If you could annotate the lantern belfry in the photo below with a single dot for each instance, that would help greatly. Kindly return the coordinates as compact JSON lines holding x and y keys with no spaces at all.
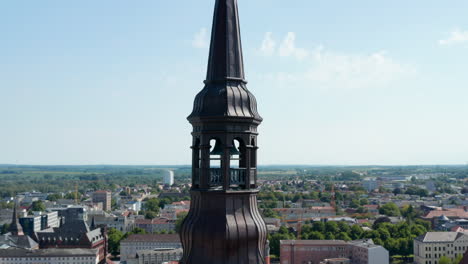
{"x":224,"y":225}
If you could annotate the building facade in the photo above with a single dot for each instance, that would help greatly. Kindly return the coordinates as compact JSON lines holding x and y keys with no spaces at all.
{"x":317,"y":251}
{"x":104,"y":197}
{"x":169,"y":178}
{"x":156,"y":224}
{"x":49,"y":256}
{"x":39,"y":221}
{"x":157,"y":256}
{"x":75,"y":235}
{"x":134,"y":243}
{"x":430,"y":247}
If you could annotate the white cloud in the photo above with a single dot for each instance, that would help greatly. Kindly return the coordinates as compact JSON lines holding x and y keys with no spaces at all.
{"x":268,"y":45}
{"x":457,"y":36}
{"x":324,"y":68}
{"x":330,"y":69}
{"x":288,"y":48}
{"x":200,"y":40}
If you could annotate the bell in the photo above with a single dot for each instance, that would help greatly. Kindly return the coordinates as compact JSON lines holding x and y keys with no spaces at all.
{"x":218,"y":149}
{"x":234,"y":150}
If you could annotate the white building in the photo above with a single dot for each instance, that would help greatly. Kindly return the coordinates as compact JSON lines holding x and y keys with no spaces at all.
{"x":365,"y":251}
{"x":370,"y":184}
{"x":169,"y":178}
{"x":429,"y":247}
{"x":134,"y":243}
{"x":49,"y":256}
{"x":157,"y":256}
{"x":121,"y":222}
{"x":39,"y":221}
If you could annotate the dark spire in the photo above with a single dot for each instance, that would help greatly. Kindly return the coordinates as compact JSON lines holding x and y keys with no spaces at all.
{"x":15,"y":227}
{"x":225,"y":93}
{"x":93,"y":224}
{"x":225,"y":61}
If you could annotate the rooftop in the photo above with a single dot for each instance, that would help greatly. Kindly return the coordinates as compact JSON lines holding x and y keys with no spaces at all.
{"x":174,"y":238}
{"x":51,"y":252}
{"x":314,"y":242}
{"x":440,"y":236}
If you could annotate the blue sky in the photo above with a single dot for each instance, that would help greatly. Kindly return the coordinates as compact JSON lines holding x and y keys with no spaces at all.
{"x":337,"y":82}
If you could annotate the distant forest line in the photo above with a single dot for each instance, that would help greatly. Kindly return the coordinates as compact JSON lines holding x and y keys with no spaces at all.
{"x":54,"y":179}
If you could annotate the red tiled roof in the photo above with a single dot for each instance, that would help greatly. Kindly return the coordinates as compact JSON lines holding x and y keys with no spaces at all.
{"x":454,"y":213}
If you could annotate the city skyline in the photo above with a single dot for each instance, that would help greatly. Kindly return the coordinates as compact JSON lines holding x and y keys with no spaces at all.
{"x":95,"y":83}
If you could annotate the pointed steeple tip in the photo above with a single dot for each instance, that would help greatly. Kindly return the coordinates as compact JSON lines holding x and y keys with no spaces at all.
{"x":225,"y":62}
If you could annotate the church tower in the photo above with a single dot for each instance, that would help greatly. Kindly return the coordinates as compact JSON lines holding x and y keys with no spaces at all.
{"x":15,"y":227}
{"x":224,"y":225}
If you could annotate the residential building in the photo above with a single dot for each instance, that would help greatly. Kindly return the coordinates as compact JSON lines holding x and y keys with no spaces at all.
{"x":156,"y":224}
{"x":122,"y":223}
{"x":294,"y":214}
{"x":336,"y":261}
{"x":366,"y":252}
{"x":103,"y":197}
{"x":169,"y":178}
{"x":39,"y":221}
{"x":74,"y":234}
{"x":49,"y":256}
{"x":428,"y":248}
{"x":171,"y":213}
{"x":9,"y":240}
{"x":316,"y":251}
{"x":157,"y":256}
{"x":72,"y":213}
{"x":370,"y":184}
{"x":134,"y":243}
{"x":15,"y":238}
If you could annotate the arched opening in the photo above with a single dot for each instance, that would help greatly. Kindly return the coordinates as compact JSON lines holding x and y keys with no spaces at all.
{"x":216,"y":151}
{"x":235,"y":154}
{"x":215,"y":178}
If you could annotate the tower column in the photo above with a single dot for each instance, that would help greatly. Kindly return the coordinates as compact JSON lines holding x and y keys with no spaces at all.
{"x":224,"y":225}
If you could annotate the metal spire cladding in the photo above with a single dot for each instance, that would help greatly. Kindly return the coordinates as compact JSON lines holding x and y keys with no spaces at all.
{"x":225,"y":93}
{"x":224,"y":224}
{"x":225,"y":61}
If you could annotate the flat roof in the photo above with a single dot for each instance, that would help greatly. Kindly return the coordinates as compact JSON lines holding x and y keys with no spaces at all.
{"x":313,"y":242}
{"x":50,"y":252}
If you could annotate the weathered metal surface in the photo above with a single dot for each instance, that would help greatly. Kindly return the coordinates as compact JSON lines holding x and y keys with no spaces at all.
{"x":224,"y":225}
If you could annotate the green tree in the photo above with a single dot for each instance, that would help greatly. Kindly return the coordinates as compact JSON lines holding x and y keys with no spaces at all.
{"x":54,"y":197}
{"x":138,"y":230}
{"x":445,"y":260}
{"x":313,"y":235}
{"x":354,"y":203}
{"x":458,"y":259}
{"x":4,"y":229}
{"x":180,"y":219}
{"x":38,"y":206}
{"x":332,"y":227}
{"x":114,"y":238}
{"x":390,"y":209}
{"x":150,"y":215}
{"x":268,"y":212}
{"x":152,"y":205}
{"x":318,"y":226}
{"x":344,"y":227}
{"x":343,"y":236}
{"x":364,"y":201}
{"x":356,"y":232}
